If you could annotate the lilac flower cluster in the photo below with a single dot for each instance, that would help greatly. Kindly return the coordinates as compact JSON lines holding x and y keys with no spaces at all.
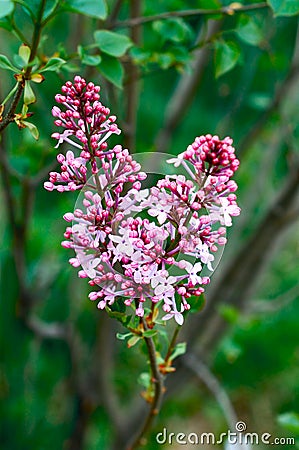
{"x":144,"y":247}
{"x":87,"y":126}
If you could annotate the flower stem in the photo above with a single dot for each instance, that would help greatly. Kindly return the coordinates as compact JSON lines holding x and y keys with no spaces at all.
{"x":158,"y":381}
{"x":10,"y":116}
{"x":172,"y":344}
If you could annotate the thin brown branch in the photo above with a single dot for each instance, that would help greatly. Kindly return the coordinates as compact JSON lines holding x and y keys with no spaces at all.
{"x":226,"y":10}
{"x":9,"y":116}
{"x":172,"y":343}
{"x":158,"y":382}
{"x":110,"y":23}
{"x":77,"y":439}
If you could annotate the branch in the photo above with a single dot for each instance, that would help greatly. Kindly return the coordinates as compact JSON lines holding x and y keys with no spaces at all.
{"x":158,"y":381}
{"x":9,"y":116}
{"x":186,"y":88}
{"x":203,"y":372}
{"x":226,"y":10}
{"x":76,"y":441}
{"x":110,"y":23}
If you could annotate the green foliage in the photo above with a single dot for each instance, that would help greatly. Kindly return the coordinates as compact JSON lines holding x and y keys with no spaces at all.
{"x":113,"y":44}
{"x":88,"y":60}
{"x":249,"y":30}
{"x":180,"y":349}
{"x":227,"y":55}
{"x":112,"y":69}
{"x":6,"y":7}
{"x":52,"y":65}
{"x":96,"y":9}
{"x":284,"y":7}
{"x":257,"y":360}
{"x":6,"y":64}
{"x":173,"y":30}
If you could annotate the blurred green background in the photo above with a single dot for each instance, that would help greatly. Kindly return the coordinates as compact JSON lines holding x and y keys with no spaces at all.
{"x":64,"y":377}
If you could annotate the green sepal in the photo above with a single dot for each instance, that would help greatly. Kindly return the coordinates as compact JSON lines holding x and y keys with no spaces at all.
{"x":29,"y":96}
{"x":32,"y":129}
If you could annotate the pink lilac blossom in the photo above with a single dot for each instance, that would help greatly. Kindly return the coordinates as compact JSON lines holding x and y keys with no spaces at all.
{"x":142,"y":247}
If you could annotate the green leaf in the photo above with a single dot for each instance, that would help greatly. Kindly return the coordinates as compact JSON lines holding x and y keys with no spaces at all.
{"x":5,"y":24}
{"x":91,"y":8}
{"x":284,"y":7}
{"x":249,"y":31}
{"x":140,"y":56}
{"x":289,"y":421}
{"x":114,"y":44}
{"x":165,"y":60}
{"x":149,"y":333}
{"x":112,"y":69}
{"x":24,"y":53}
{"x":196,"y":303}
{"x":89,"y":60}
{"x":133,"y":341}
{"x":6,"y":64}
{"x":32,"y":129}
{"x":227,"y":55}
{"x":175,"y":30}
{"x":145,"y":380}
{"x":179,"y":349}
{"x":53,"y":65}
{"x":6,"y":7}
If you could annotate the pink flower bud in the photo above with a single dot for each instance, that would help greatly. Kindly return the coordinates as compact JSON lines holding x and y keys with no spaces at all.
{"x":68,"y":217}
{"x":49,"y":186}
